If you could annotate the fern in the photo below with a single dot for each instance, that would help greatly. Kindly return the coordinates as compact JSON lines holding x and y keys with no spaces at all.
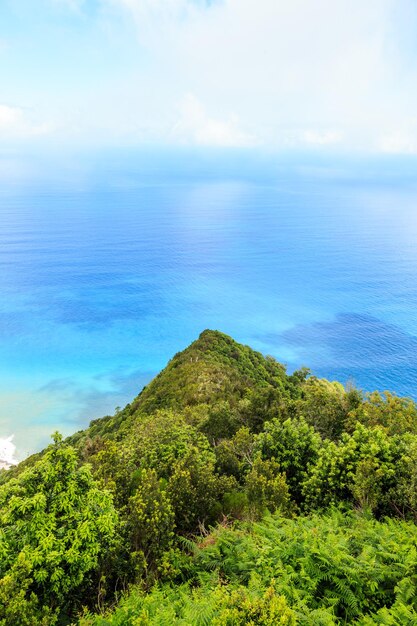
{"x":336,"y":569}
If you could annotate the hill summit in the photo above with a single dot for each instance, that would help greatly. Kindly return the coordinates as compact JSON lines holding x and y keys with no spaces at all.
{"x":215,"y":369}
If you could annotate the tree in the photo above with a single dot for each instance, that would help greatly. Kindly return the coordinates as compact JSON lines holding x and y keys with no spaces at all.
{"x":54,"y":526}
{"x":150,"y":520}
{"x":266,"y":488}
{"x":394,"y":414}
{"x":326,"y":405}
{"x":362,"y":466}
{"x":194,"y":489}
{"x":294,"y":445}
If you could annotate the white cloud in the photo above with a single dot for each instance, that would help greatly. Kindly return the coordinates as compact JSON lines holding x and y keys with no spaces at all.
{"x":399,"y":142}
{"x":9,"y":117}
{"x":286,"y":72}
{"x":339,"y":66}
{"x":309,"y":138}
{"x":197,"y":127}
{"x":14,"y":123}
{"x":322,"y":138}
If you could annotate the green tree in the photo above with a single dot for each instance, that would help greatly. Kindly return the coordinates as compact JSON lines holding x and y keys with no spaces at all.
{"x":326,"y":405}
{"x":235,"y":456}
{"x":194,"y":489}
{"x":362,"y":466}
{"x":158,"y":441}
{"x":150,"y":521}
{"x":55,"y":524}
{"x":222,"y":421}
{"x":262,"y":404}
{"x":266,"y":488}
{"x":294,"y":445}
{"x":394,"y":414}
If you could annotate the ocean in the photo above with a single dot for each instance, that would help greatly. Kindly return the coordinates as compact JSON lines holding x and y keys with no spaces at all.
{"x":112,"y":261}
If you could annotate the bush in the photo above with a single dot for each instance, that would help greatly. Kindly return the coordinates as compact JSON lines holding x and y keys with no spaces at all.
{"x":294,"y":445}
{"x":150,"y":521}
{"x":362,"y":467}
{"x":55,"y":524}
{"x":266,"y":488}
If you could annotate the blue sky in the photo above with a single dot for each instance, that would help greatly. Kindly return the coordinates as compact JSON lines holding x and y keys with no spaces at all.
{"x":281,"y":74}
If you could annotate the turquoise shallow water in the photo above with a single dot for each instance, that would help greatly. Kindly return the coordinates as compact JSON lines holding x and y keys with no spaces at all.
{"x":109,"y":264}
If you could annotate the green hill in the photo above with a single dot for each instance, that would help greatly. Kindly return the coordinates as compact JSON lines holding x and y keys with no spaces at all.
{"x":228,"y":492}
{"x":214,"y":368}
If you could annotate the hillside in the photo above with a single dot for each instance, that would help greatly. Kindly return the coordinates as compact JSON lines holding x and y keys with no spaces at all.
{"x":213,"y":369}
{"x":227,"y":492}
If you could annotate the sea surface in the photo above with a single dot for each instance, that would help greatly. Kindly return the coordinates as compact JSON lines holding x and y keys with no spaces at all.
{"x":111,"y":262}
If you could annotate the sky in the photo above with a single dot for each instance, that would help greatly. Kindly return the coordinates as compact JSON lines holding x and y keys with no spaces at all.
{"x":281,"y":74}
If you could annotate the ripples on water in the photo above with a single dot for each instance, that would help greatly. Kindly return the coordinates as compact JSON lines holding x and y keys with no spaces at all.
{"x":108,"y":266}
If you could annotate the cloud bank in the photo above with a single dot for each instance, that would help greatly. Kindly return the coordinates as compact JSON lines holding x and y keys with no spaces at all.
{"x":14,"y":123}
{"x":316,"y":75}
{"x":195,"y":126}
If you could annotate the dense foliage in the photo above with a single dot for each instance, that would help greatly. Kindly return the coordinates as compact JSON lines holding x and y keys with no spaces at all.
{"x":55,"y":525}
{"x":206,"y":501}
{"x":338,"y":568}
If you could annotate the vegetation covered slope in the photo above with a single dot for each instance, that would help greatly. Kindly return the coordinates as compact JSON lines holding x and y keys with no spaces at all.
{"x":227,"y":492}
{"x":214,"y":368}
{"x":329,"y":569}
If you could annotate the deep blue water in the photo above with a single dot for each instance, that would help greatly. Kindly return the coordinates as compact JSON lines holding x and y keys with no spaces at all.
{"x":111,"y":264}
